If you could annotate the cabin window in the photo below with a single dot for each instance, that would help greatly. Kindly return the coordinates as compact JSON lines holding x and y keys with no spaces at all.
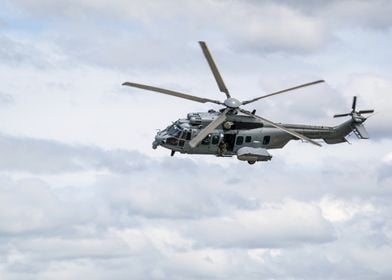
{"x":266,"y":140}
{"x":248,"y":139}
{"x":181,"y":143}
{"x":215,"y":140}
{"x":206,"y":140}
{"x":240,"y":140}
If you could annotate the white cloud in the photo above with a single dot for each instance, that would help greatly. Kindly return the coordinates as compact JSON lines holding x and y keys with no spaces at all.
{"x":83,"y":193}
{"x":273,"y":225}
{"x":388,"y":158}
{"x":340,"y":210}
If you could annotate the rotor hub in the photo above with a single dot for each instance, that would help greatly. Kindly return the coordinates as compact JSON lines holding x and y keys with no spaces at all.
{"x":232,"y":103}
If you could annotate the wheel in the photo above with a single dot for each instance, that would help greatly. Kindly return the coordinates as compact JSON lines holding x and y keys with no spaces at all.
{"x":251,"y":161}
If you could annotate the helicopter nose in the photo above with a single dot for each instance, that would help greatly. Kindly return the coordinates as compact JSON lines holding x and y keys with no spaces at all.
{"x":159,"y":139}
{"x":154,"y":145}
{"x":156,"y":142}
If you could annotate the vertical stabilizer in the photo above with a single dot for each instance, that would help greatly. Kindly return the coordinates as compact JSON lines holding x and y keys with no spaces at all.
{"x":356,"y":123}
{"x":360,"y":131}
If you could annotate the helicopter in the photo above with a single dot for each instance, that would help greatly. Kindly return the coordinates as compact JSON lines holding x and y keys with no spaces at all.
{"x":234,"y":131}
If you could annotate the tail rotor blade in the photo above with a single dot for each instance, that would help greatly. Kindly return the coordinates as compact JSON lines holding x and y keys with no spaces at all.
{"x":366,"y":111}
{"x":353,"y":112}
{"x":341,"y":115}
{"x":214,"y":69}
{"x":354,"y":103}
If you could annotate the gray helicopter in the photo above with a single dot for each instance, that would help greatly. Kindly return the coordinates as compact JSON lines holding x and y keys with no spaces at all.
{"x":234,"y":131}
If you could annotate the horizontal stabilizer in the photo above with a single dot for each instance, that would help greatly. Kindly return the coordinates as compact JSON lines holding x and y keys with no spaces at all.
{"x":360,"y":131}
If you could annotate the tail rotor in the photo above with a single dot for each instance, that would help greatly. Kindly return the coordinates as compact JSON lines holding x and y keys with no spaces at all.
{"x":354,"y":113}
{"x":357,"y":120}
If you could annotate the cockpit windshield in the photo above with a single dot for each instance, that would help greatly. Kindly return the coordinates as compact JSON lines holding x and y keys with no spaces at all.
{"x":174,"y":130}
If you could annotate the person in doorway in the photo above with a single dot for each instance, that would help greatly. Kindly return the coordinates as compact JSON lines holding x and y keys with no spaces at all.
{"x":222,"y":148}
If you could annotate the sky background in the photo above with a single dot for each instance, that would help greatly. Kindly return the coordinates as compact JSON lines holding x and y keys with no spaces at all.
{"x":83,"y":193}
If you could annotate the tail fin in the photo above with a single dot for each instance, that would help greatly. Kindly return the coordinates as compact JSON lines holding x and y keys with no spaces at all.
{"x":356,"y":123}
{"x":360,"y":131}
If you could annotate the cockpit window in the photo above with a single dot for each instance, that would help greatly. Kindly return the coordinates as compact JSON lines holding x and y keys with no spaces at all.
{"x":172,"y":141}
{"x":174,"y":130}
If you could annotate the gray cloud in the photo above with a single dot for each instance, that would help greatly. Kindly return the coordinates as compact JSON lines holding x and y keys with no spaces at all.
{"x":253,"y":27}
{"x":30,"y":206}
{"x":127,"y":28}
{"x":45,"y":156}
{"x":346,"y":13}
{"x":363,"y":14}
{"x":18,"y":51}
{"x":146,"y":247}
{"x":188,"y":222}
{"x":278,"y":225}
{"x":6,"y":99}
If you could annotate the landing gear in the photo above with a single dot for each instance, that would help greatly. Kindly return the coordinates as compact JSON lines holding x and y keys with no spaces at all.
{"x":251,"y":161}
{"x":172,"y":153}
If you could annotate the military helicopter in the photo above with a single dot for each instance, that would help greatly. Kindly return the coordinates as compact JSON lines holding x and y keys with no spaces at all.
{"x":234,"y":131}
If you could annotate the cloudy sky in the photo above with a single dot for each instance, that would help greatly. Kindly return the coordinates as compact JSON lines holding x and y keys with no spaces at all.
{"x":82,"y":192}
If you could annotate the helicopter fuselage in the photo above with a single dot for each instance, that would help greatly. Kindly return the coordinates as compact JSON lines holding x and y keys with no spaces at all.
{"x":240,"y":135}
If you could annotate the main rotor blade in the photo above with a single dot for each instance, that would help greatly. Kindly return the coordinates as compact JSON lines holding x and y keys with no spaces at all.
{"x":214,"y":69}
{"x":289,"y":131}
{"x":208,"y":129}
{"x":282,"y":91}
{"x":173,"y":93}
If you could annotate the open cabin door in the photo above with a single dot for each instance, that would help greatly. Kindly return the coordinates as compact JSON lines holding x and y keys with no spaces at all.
{"x":229,"y":140}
